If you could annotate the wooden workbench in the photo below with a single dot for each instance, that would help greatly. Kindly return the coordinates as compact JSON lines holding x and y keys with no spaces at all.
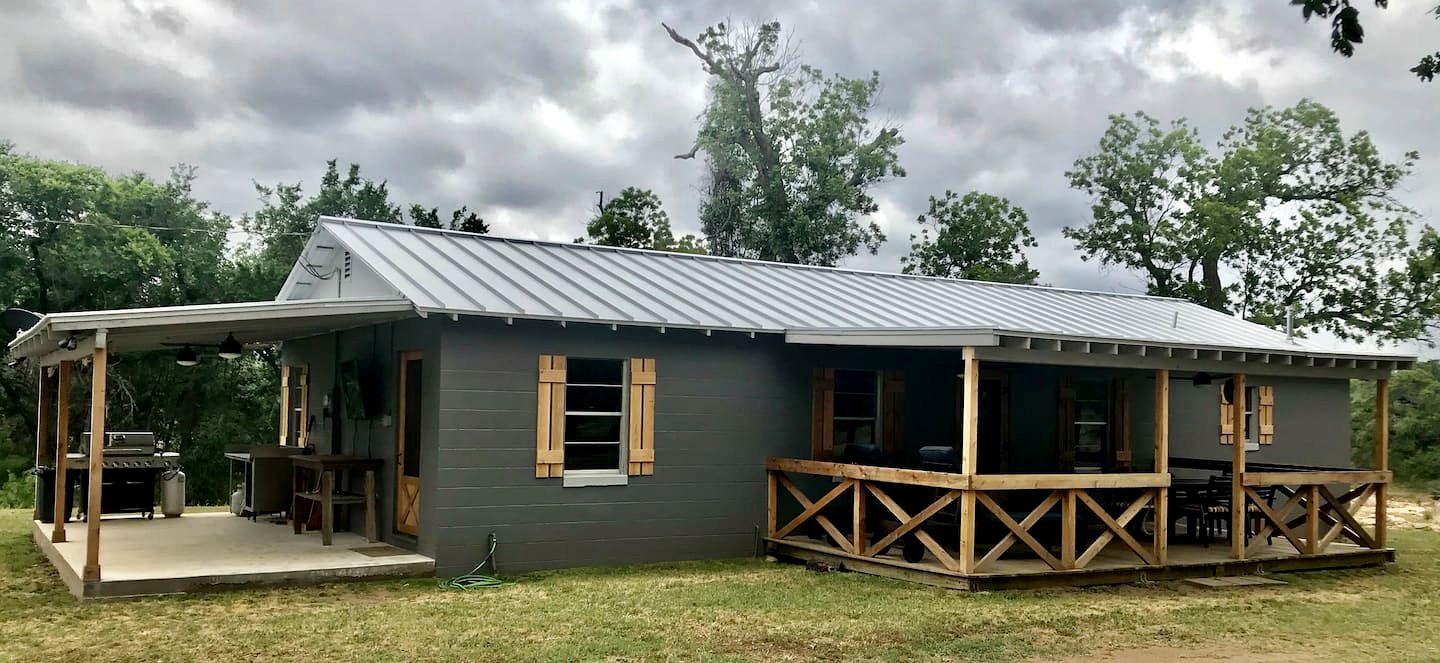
{"x":314,"y":479}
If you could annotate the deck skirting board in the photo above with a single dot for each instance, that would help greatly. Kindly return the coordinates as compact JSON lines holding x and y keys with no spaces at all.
{"x":937,"y":576}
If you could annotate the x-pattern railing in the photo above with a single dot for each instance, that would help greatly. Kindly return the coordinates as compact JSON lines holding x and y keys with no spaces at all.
{"x":1070,"y":493}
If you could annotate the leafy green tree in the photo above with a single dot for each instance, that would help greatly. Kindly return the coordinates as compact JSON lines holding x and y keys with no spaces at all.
{"x":1414,"y":424}
{"x":791,"y":152}
{"x":461,"y":219}
{"x":634,"y":219}
{"x":1288,"y":214}
{"x":1346,"y":31}
{"x":286,"y":218}
{"x":73,"y":237}
{"x":979,"y":236}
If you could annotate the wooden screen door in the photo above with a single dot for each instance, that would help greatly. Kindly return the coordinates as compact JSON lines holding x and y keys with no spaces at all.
{"x":407,"y":444}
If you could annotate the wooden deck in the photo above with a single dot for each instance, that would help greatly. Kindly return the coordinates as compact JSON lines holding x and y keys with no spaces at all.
{"x":1114,"y":565}
{"x":1058,"y":529}
{"x":203,"y":551}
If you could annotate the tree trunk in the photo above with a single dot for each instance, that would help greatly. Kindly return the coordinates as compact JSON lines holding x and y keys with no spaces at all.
{"x":1214,"y":290}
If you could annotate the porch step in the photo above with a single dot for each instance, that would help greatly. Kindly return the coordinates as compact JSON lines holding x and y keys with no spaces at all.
{"x":1233,"y":581}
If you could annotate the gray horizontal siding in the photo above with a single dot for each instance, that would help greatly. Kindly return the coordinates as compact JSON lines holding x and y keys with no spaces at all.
{"x":723,"y":403}
{"x":1312,"y":421}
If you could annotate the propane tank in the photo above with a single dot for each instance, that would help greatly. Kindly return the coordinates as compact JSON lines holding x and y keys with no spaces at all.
{"x":172,"y":493}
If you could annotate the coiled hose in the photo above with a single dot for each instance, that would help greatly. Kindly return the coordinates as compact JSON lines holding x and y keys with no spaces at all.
{"x":475,"y":579}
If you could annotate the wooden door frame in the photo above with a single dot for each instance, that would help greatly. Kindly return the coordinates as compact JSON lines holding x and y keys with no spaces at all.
{"x":405,"y":505}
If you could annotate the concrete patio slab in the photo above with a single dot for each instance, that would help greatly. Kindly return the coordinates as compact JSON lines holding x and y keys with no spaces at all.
{"x":209,"y":550}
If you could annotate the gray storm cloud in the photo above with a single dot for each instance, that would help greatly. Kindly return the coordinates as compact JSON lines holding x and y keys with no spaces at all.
{"x":523,"y":111}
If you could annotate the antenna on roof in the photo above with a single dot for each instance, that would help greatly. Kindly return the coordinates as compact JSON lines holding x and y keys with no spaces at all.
{"x":1176,"y":322}
{"x":1290,"y":324}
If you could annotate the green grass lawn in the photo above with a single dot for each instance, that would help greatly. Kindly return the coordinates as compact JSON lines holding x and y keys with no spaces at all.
{"x":732,"y":610}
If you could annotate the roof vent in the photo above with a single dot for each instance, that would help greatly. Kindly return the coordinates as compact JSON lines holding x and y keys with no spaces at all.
{"x":345,"y":272}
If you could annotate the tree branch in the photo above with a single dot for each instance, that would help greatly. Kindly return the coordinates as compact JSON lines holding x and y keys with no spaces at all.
{"x":858,"y":177}
{"x":710,"y":65}
{"x":691,"y":154}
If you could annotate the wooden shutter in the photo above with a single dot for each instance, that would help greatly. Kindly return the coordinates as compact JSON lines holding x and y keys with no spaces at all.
{"x":1120,"y":426}
{"x":550,"y":418}
{"x":1066,"y":433}
{"x":822,"y":414}
{"x":1227,"y":419}
{"x":892,"y":410}
{"x":284,"y":405}
{"x":1266,"y":395}
{"x":642,"y":416}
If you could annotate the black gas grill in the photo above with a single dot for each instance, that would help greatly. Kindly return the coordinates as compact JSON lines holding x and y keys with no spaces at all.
{"x":131,"y":469}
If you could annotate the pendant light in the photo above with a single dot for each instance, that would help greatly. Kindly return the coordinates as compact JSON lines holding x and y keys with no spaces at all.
{"x":187,"y":357}
{"x":230,"y":348}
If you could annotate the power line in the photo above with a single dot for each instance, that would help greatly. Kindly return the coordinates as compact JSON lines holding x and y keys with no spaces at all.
{"x":227,"y":231}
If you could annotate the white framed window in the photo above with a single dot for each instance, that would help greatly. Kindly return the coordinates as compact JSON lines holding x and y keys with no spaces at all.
{"x":596,"y":421}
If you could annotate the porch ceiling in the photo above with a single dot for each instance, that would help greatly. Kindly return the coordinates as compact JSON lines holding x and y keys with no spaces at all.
{"x":132,"y":330}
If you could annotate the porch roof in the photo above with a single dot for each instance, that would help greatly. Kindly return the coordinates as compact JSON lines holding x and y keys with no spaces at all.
{"x":130,"y":330}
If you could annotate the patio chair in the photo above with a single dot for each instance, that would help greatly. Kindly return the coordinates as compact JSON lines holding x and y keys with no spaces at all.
{"x":1211,"y":507}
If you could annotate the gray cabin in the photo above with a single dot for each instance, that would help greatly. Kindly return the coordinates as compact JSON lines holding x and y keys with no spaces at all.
{"x":588,"y":405}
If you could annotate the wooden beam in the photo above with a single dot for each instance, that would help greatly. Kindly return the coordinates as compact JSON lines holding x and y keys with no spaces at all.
{"x":811,"y":509}
{"x":1276,"y":519}
{"x":1162,"y":463}
{"x":967,"y":532}
{"x":44,"y":400}
{"x":772,"y":497}
{"x":824,"y":522}
{"x":1019,"y":531}
{"x":1382,"y":456}
{"x":970,"y":434}
{"x":1115,"y":528}
{"x":1067,"y":530}
{"x":1068,"y":481}
{"x":1239,"y":513}
{"x":1312,"y":520}
{"x":910,"y":523}
{"x":858,"y":525}
{"x":869,"y":473}
{"x":1339,"y":477}
{"x":96,"y":451}
{"x":62,"y":449}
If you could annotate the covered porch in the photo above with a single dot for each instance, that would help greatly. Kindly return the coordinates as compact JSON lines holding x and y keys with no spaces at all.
{"x":139,"y":555}
{"x":1102,"y":509}
{"x":201,"y":551}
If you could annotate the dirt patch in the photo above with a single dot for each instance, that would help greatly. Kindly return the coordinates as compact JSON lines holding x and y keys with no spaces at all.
{"x":1407,"y":511}
{"x":1203,"y":653}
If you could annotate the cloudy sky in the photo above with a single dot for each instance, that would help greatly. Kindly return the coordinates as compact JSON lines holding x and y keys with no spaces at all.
{"x":524,"y":112}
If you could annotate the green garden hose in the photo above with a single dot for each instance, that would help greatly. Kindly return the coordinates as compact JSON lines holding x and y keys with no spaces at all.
{"x":475,"y":579}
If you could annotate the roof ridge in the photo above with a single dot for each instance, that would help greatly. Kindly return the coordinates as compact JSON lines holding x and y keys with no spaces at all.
{"x":705,"y":257}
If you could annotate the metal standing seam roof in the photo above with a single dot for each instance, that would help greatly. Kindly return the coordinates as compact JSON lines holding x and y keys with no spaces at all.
{"x":464,"y":273}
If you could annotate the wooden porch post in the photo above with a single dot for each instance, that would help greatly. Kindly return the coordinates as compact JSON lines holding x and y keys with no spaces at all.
{"x":62,"y":450}
{"x":1238,"y":510}
{"x":970,"y":437}
{"x":44,"y":404}
{"x":96,"y":450}
{"x":1382,"y":455}
{"x":1162,"y":463}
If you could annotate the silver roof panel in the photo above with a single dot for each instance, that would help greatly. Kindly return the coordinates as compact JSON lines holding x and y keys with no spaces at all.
{"x":464,"y":273}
